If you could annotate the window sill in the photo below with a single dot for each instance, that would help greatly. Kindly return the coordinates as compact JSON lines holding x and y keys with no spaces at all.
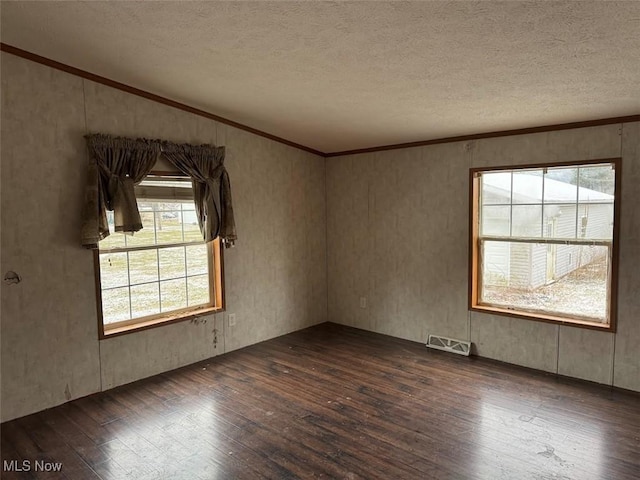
{"x":154,"y":322}
{"x":541,"y":317}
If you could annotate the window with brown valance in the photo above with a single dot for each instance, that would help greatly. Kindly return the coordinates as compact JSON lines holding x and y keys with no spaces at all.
{"x":117,"y":164}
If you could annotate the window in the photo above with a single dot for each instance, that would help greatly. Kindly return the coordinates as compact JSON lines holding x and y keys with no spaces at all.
{"x":163,"y":273}
{"x":543,"y":242}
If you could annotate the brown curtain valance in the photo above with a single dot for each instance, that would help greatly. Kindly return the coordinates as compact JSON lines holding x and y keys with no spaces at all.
{"x":117,"y":164}
{"x":211,"y":187}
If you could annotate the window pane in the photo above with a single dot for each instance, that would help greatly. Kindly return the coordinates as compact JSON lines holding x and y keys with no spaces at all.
{"x":169,"y":226}
{"x":146,"y":236}
{"x":527,"y":186}
{"x":496,"y":220}
{"x":173,"y":294}
{"x":496,"y":188}
{"x":145,"y":300}
{"x":143,"y":266}
{"x":569,"y":280}
{"x":168,"y":206}
{"x":527,"y":221}
{"x":113,"y":270}
{"x":115,"y":240}
{"x":560,"y":221}
{"x":198,"y":290}
{"x":595,"y":221}
{"x":597,"y":183}
{"x":190,"y":226}
{"x":560,"y":185}
{"x":171,"y":262}
{"x":197,"y":259}
{"x":115,"y":305}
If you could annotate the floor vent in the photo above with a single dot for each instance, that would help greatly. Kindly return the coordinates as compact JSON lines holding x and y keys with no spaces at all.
{"x":449,"y":345}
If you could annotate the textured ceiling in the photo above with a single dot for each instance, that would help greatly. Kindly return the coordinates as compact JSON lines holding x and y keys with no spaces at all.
{"x":338,"y":76}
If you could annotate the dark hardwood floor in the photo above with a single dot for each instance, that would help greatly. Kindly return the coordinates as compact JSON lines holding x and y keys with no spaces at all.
{"x":335,"y":402}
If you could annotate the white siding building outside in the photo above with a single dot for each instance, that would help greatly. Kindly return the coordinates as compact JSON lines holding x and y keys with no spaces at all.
{"x":550,"y":209}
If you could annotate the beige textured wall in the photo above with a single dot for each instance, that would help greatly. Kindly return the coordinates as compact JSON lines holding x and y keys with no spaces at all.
{"x":397,"y":234}
{"x":275,"y":276}
{"x":397,"y":231}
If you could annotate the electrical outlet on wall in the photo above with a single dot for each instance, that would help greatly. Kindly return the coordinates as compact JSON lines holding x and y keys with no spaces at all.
{"x":363,"y":302}
{"x":232,"y":319}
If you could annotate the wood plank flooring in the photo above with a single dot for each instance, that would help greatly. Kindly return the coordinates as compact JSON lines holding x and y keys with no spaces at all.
{"x":336,"y":402}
